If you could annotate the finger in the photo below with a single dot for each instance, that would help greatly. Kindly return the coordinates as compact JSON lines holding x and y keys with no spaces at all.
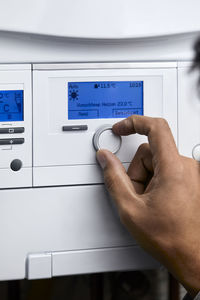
{"x":140,"y":170}
{"x":116,"y":180}
{"x":157,"y":130}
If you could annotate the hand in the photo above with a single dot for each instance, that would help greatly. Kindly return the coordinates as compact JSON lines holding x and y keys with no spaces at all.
{"x":158,"y":198}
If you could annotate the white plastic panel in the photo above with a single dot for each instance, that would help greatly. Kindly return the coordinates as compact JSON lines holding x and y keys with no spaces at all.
{"x":17,"y":77}
{"x":103,"y":260}
{"x":54,"y":148}
{"x":47,"y":265}
{"x":100,"y":19}
{"x":188,"y":110}
{"x":41,"y":220}
{"x":11,"y":179}
{"x":16,"y":48}
{"x":39,"y":266}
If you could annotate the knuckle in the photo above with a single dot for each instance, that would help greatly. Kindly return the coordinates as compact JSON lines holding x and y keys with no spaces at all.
{"x":181,"y":171}
{"x":143,"y":147}
{"x":158,"y":123}
{"x":162,"y":122}
{"x":130,"y":121}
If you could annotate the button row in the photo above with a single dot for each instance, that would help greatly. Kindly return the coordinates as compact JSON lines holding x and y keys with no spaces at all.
{"x":12,"y":141}
{"x":12,"y":130}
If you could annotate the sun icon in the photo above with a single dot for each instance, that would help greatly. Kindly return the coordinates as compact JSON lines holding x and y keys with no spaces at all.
{"x":73,"y":95}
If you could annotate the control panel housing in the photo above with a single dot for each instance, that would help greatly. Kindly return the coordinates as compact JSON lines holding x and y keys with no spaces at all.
{"x":67,"y":157}
{"x":15,"y":126}
{"x":56,"y":217}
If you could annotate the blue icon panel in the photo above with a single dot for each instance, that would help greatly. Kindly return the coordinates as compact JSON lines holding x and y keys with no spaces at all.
{"x":11,"y":105}
{"x":104,"y":99}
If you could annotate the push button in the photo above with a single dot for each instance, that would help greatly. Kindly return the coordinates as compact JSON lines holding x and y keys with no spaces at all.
{"x":11,"y":130}
{"x":75,"y":127}
{"x":104,"y":138}
{"x":11,"y":141}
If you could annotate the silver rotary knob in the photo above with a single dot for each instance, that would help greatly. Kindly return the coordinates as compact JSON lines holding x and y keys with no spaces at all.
{"x":196,"y":152}
{"x":104,"y":138}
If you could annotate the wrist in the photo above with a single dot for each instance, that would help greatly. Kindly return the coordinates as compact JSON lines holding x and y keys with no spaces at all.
{"x":185,"y":267}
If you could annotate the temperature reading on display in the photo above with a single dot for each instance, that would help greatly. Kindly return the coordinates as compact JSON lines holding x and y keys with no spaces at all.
{"x":11,"y":105}
{"x":104,"y":99}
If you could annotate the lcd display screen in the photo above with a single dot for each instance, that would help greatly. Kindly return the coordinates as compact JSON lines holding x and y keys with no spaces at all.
{"x":104,"y":99}
{"x":11,"y":105}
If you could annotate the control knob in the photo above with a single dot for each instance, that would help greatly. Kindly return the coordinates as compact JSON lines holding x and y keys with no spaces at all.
{"x":196,"y":152}
{"x":105,"y":138}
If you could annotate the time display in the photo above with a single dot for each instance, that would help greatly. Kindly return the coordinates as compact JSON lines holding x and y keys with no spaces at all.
{"x":104,"y":99}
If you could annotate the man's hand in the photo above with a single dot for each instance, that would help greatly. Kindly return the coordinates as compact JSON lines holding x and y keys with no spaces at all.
{"x":158,"y":198}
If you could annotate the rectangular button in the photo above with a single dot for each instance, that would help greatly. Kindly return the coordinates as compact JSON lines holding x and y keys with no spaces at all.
{"x":126,"y":112}
{"x":83,"y":114}
{"x":12,"y":130}
{"x":75,"y":128}
{"x":11,"y":141}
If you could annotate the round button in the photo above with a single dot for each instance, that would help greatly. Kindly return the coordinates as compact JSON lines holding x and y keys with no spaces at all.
{"x":16,"y":165}
{"x":104,"y":138}
{"x":196,"y":152}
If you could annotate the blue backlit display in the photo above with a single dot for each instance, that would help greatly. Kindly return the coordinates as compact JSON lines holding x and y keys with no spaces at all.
{"x":104,"y":99}
{"x":11,"y":105}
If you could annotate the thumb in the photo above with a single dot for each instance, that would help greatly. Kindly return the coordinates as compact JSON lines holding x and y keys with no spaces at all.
{"x":116,"y":179}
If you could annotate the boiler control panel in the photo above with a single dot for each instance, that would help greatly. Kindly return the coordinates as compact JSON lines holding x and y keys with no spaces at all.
{"x":54,"y":117}
{"x":75,"y":106}
{"x":15,"y":126}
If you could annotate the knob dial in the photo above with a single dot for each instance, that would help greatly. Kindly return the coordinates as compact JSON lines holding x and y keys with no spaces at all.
{"x":16,"y":165}
{"x":104,"y":138}
{"x":196,"y":152}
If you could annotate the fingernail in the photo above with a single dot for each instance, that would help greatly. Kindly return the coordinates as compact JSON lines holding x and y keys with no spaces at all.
{"x":101,"y":159}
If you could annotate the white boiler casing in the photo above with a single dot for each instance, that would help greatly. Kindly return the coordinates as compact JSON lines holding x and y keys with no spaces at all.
{"x":58,"y":86}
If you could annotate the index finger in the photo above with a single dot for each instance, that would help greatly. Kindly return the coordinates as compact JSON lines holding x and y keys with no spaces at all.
{"x":157,"y":130}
